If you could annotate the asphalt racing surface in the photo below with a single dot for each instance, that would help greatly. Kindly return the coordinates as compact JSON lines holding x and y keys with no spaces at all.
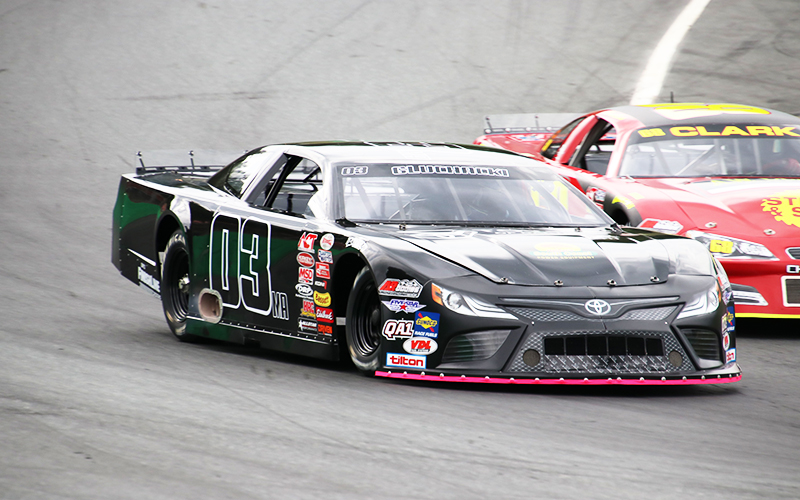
{"x":98,"y":401}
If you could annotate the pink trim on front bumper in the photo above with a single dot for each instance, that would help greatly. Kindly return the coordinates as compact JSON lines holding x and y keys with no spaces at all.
{"x":562,"y":381}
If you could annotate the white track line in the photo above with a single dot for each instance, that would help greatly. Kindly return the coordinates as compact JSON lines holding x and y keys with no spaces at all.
{"x":651,"y":81}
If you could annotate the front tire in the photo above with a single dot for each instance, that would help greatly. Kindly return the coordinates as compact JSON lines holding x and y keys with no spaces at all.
{"x":363,"y":327}
{"x":175,"y":273}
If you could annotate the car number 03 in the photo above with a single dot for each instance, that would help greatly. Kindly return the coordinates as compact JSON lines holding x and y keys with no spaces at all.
{"x":239,"y":262}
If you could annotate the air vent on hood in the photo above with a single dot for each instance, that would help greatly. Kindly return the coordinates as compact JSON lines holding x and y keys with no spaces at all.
{"x":794,"y":252}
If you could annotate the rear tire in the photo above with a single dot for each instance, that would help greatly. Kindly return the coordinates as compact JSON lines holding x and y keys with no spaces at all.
{"x":363,"y":327}
{"x":175,"y":273}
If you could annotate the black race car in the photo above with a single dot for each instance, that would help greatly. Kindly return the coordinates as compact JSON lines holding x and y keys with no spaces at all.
{"x":423,"y":261}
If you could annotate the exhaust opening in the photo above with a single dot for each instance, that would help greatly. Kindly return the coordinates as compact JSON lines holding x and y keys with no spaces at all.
{"x":210,"y":305}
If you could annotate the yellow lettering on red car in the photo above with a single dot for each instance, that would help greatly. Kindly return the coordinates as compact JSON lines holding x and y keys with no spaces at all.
{"x":784,"y":206}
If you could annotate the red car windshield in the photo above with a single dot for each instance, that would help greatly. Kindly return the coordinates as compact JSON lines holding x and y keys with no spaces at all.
{"x":713,"y":151}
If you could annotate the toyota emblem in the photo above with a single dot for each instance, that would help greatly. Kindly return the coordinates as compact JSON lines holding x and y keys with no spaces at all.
{"x":598,"y":307}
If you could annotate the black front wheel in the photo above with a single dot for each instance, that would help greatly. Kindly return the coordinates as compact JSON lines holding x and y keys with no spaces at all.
{"x":175,"y":285}
{"x":363,"y":328}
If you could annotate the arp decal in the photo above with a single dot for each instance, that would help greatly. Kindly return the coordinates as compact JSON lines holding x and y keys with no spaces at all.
{"x":280,"y":309}
{"x":305,"y":275}
{"x":394,"y":359}
{"x":398,"y":328}
{"x":323,"y":271}
{"x":426,"y":324}
{"x":326,"y":242}
{"x":403,"y":305}
{"x":306,"y":243}
{"x":449,"y":170}
{"x":558,"y":251}
{"x":305,"y":259}
{"x":239,"y":263}
{"x":420,"y":345}
{"x":785,"y":207}
{"x":322,"y":299}
{"x":325,"y":256}
{"x":325,"y":314}
{"x":400,"y":288}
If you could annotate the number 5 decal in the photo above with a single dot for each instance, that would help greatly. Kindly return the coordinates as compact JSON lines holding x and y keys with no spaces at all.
{"x":239,"y":262}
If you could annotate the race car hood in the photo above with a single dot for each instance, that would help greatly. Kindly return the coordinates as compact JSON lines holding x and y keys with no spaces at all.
{"x":590,"y":257}
{"x":735,"y":207}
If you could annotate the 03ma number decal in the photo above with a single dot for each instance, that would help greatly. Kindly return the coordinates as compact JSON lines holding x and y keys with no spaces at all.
{"x":239,"y":262}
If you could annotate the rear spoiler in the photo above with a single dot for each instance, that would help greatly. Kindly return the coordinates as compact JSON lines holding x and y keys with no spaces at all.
{"x":528,"y":122}
{"x":202,"y":162}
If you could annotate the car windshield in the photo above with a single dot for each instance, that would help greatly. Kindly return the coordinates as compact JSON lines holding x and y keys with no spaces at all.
{"x":708,"y":151}
{"x":463,"y":195}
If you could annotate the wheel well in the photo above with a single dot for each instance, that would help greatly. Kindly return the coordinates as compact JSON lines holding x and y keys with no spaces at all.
{"x":620,"y":217}
{"x":344,"y":275}
{"x":166,"y":227}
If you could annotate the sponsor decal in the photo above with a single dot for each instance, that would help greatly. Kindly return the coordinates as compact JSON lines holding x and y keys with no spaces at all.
{"x":596,"y":195}
{"x":321,"y":284}
{"x":326,"y":242}
{"x":306,"y":243}
{"x":785,"y":207}
{"x":307,"y":326}
{"x":398,"y":328}
{"x":400,"y":288}
{"x":305,"y":275}
{"x":303,"y":290}
{"x":726,"y":341}
{"x":560,"y":251}
{"x":325,"y":256}
{"x":325,"y":314}
{"x":449,"y":170}
{"x":148,"y":281}
{"x":727,"y":295}
{"x":730,"y":355}
{"x":357,"y":170}
{"x":426,"y":324}
{"x":662,"y":226}
{"x":308,"y":309}
{"x":420,"y":345}
{"x":722,"y":131}
{"x":322,"y":299}
{"x":324,"y":329}
{"x":305,"y":259}
{"x":403,"y":305}
{"x":404,"y":360}
{"x":355,"y":242}
{"x":280,"y":306}
{"x":323,"y":271}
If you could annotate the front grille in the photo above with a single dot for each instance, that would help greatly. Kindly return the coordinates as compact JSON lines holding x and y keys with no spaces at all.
{"x":474,"y":346}
{"x":794,"y":252}
{"x":601,"y":352}
{"x":602,"y":345}
{"x":706,"y":344}
{"x":791,"y":290}
{"x":652,"y":314}
{"x":536,"y":314}
{"x":539,"y":314}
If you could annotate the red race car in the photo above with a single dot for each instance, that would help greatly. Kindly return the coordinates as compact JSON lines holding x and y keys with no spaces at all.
{"x":726,"y":175}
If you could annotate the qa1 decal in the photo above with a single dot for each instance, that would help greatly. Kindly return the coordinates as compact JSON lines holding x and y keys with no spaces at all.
{"x":398,"y":328}
{"x":239,"y":262}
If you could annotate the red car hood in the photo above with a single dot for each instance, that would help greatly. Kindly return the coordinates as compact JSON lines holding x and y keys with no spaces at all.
{"x":733,"y":206}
